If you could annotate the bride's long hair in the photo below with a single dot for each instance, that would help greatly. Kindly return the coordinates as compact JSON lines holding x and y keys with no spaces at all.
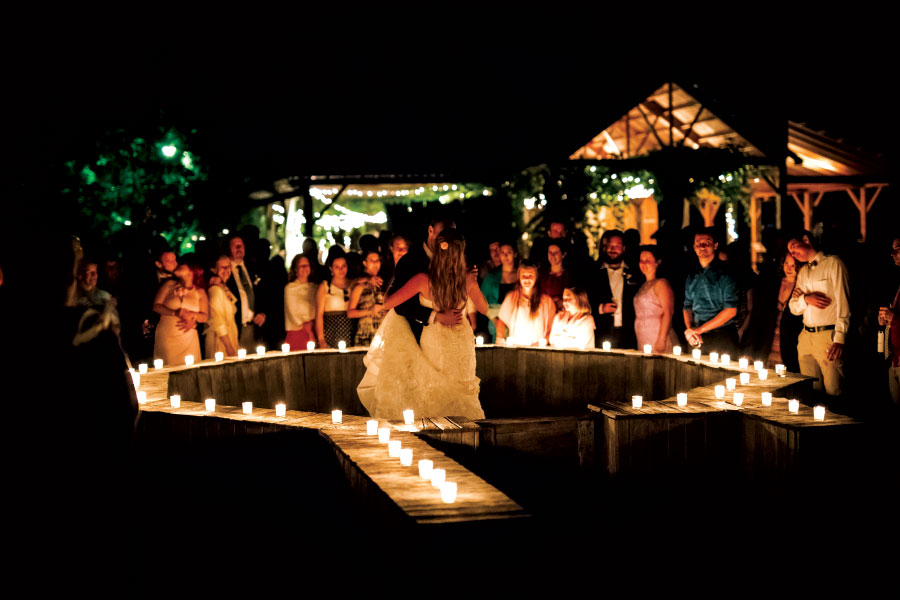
{"x":447,"y":272}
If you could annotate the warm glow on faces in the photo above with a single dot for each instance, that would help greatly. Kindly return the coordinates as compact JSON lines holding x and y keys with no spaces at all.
{"x":339,"y":268}
{"x":554,"y":255}
{"x":648,"y":264}
{"x":236,"y":249}
{"x":507,"y":255}
{"x":89,"y":277}
{"x":704,"y":246}
{"x":614,"y":248}
{"x":569,"y":303}
{"x":557,"y":231}
{"x":895,"y":251}
{"x":399,"y":247}
{"x":494,"y":249}
{"x":527,"y":277}
{"x":790,"y":266}
{"x":223,"y":268}
{"x":372,"y":263}
{"x":169,"y":262}
{"x":303,"y":269}
{"x":800,"y":251}
{"x":184,"y":274}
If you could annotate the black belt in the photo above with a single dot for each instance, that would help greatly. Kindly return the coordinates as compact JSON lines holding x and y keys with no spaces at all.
{"x":819,"y":328}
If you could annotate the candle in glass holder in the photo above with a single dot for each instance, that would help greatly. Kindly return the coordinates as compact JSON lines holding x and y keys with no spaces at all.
{"x":280,"y":409}
{"x":425,"y":468}
{"x":676,"y":350}
{"x":696,"y":353}
{"x":261,"y":350}
{"x":247,"y":408}
{"x":408,"y":416}
{"x":337,"y":416}
{"x":135,"y":378}
{"x":384,"y":435}
{"x":510,"y":341}
{"x":141,"y":397}
{"x":438,"y":476}
{"x":763,"y":374}
{"x":767,"y":398}
{"x":342,"y":345}
{"x":394,"y":448}
{"x":819,"y":413}
{"x":607,"y":346}
{"x":648,"y":349}
{"x":725,"y":360}
{"x":757,"y":365}
{"x":780,"y":370}
{"x":142,"y":368}
{"x":738,"y":398}
{"x":794,"y":406}
{"x":479,"y":340}
{"x":158,"y":363}
{"x":744,"y":362}
{"x":219,"y":356}
{"x":731,"y":383}
{"x":636,"y":401}
{"x":720,"y":391}
{"x":448,"y":492}
{"x":189,"y":360}
{"x":713,"y":357}
{"x":682,"y":398}
{"x":745,"y":378}
{"x":175,"y":401}
{"x":285,"y":348}
{"x":310,"y":345}
{"x":210,"y":404}
{"x":542,"y":342}
{"x":242,"y":353}
{"x":371,"y":427}
{"x":406,"y":457}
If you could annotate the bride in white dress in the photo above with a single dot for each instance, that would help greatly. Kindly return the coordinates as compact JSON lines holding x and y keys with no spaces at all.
{"x":437,"y":379}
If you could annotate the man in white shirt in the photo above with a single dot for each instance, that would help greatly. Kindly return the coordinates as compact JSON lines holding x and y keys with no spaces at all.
{"x":241,"y":285}
{"x":821,"y":295}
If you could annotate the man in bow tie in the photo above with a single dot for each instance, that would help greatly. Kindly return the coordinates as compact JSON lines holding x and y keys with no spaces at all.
{"x":822,"y":296}
{"x":710,"y":299}
{"x":614,"y":288}
{"x":241,"y":283}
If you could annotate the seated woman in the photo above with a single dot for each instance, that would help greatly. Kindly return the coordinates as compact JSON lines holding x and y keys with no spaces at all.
{"x":526,"y":315}
{"x":573,"y":327}
{"x":181,"y":305}
{"x":366,"y":300}
{"x":221,"y":329}
{"x":300,"y":304}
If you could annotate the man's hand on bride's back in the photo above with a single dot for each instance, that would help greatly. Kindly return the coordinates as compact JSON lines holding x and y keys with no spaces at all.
{"x":449,"y":318}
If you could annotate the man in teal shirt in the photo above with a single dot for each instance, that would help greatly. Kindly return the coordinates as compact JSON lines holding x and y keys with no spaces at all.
{"x":710,"y":300}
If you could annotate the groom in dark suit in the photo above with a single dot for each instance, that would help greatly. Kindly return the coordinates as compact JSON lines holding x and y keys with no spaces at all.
{"x":412,"y":263}
{"x":612,"y":293}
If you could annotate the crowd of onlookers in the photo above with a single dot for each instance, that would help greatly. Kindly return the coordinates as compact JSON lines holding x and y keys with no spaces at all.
{"x":795,"y":312}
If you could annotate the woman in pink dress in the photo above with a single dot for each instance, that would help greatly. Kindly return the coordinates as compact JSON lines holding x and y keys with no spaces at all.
{"x":654,"y":305}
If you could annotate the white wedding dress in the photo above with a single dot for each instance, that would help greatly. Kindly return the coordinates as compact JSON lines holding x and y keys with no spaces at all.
{"x":435,"y":380}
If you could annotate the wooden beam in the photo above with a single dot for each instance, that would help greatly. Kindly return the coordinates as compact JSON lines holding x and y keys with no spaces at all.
{"x":671,"y":116}
{"x":863,"y":213}
{"x":796,"y":198}
{"x":818,"y":198}
{"x":690,"y":128}
{"x":872,"y":201}
{"x":652,"y":126}
{"x":807,"y":212}
{"x":854,"y":197}
{"x":754,"y":232}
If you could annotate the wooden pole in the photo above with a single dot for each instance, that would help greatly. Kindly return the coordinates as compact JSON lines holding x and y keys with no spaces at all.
{"x":671,"y":116}
{"x":807,"y":212}
{"x":754,"y":231}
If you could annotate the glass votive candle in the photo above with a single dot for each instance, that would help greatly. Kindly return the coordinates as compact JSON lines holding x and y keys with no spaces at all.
{"x":696,"y":353}
{"x":337,"y":416}
{"x":210,"y":404}
{"x":720,"y":392}
{"x":744,"y":362}
{"x":479,"y":340}
{"x":384,"y":435}
{"x":189,"y":359}
{"x":738,"y":398}
{"x":757,"y":365}
{"x":780,"y":370}
{"x":725,"y":360}
{"x":794,"y":406}
{"x":394,"y":448}
{"x":438,"y":476}
{"x":763,"y":374}
{"x":713,"y":357}
{"x":731,"y":383}
{"x":285,"y":348}
{"x":260,"y":350}
{"x":425,"y":467}
{"x":767,"y":398}
{"x":342,"y":345}
{"x":141,"y":397}
{"x":219,"y":356}
{"x":175,"y":401}
{"x":247,"y":408}
{"x":682,"y":398}
{"x":280,"y":410}
{"x":448,"y":492}
{"x":542,"y":342}
{"x":142,"y":368}
{"x":135,"y":378}
{"x":158,"y":363}
{"x":648,"y":349}
{"x":745,"y":378}
{"x":242,"y":353}
{"x":310,"y":345}
{"x":406,"y":457}
{"x":637,"y":401}
{"x":371,"y":427}
{"x":408,"y":416}
{"x":819,"y":413}
{"x":676,"y":350}
{"x":607,"y":346}
{"x":510,"y":341}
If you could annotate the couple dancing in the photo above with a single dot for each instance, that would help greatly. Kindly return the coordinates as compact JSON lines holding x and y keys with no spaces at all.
{"x":423,"y":355}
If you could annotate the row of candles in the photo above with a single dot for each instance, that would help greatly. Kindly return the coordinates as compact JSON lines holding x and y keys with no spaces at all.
{"x":241,"y":353}
{"x":738,"y":399}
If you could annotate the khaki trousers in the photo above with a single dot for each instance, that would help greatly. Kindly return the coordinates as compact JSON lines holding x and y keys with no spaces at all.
{"x":812,"y":349}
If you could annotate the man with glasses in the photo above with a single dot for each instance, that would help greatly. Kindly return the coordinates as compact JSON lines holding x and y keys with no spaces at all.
{"x":710,"y":299}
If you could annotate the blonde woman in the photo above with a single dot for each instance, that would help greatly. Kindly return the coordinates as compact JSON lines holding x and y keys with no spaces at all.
{"x":437,"y":379}
{"x":573,"y":326}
